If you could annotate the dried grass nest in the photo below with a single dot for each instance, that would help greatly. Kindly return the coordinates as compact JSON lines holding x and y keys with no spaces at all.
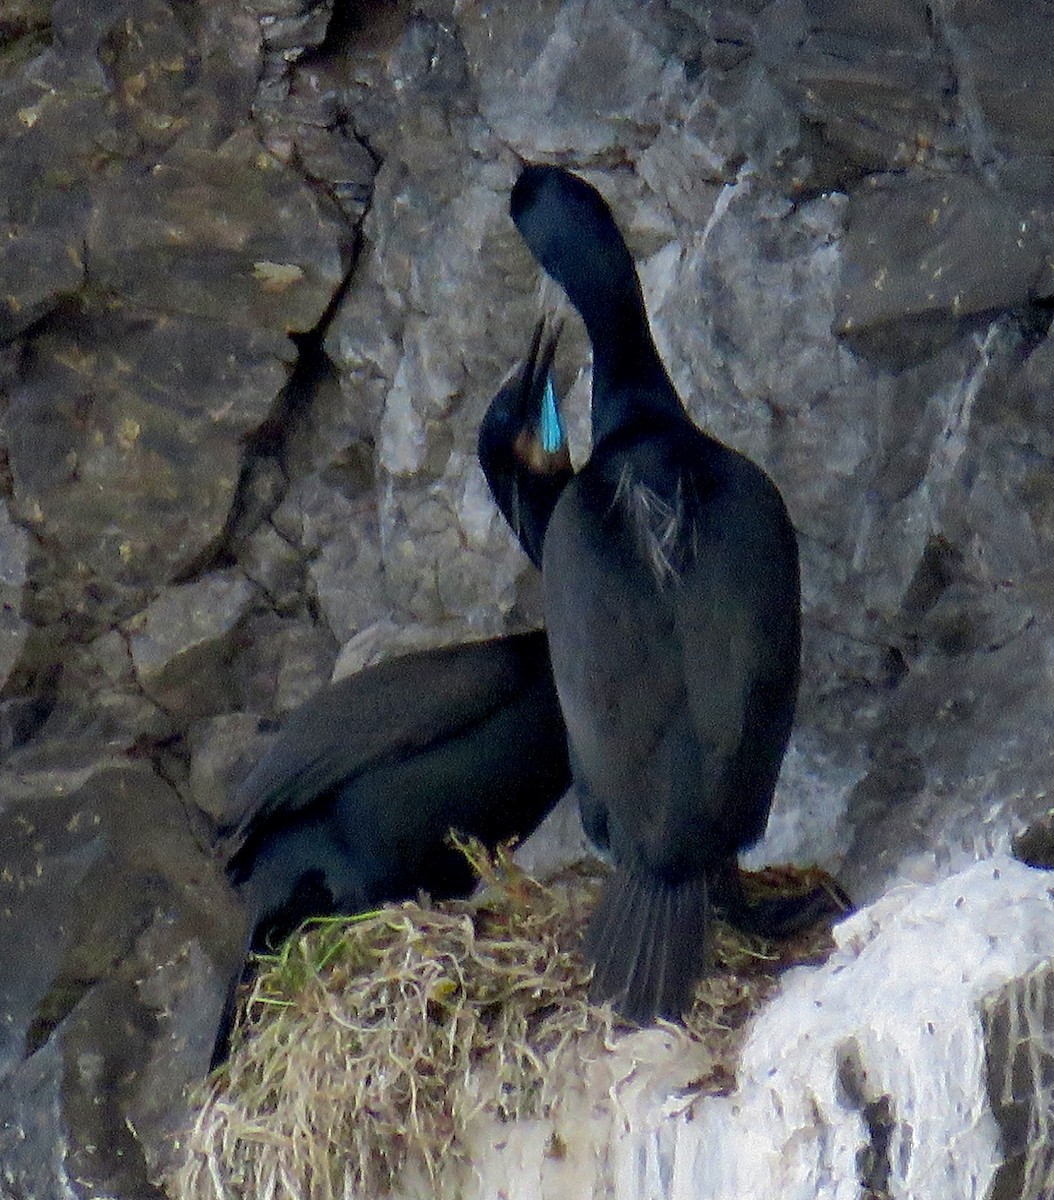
{"x":368,"y":1045}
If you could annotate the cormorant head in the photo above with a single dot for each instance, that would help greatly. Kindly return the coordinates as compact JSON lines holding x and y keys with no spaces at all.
{"x":569,"y":229}
{"x":522,"y":446}
{"x":523,"y":420}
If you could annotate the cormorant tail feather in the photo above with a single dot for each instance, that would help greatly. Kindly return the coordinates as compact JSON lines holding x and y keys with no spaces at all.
{"x":649,"y":941}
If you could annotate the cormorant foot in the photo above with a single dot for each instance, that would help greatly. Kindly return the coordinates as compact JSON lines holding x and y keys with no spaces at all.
{"x":777,"y":916}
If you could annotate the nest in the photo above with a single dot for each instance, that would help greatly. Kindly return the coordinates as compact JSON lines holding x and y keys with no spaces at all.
{"x":369,"y":1046}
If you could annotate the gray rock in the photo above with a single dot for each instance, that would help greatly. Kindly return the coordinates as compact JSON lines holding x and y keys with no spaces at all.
{"x":121,"y":717}
{"x":291,"y":26}
{"x":36,"y":270}
{"x":434,"y":518}
{"x":572,"y":77}
{"x":119,"y":934}
{"x":336,"y":535}
{"x":284,"y":660}
{"x":181,"y":644}
{"x":14,"y":556}
{"x":342,"y":162}
{"x":221,"y":751}
{"x":227,"y":238}
{"x":276,"y":567}
{"x":878,"y":82}
{"x":936,"y":249}
{"x":1006,"y":79}
{"x":123,"y":437}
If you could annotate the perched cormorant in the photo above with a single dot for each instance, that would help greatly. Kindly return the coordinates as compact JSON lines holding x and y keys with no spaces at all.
{"x":352,"y":805}
{"x":672,"y":606}
{"x":522,"y":447}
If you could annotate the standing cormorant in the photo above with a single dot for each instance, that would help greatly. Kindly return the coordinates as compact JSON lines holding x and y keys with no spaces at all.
{"x":522,"y":447}
{"x":672,"y":606}
{"x":352,"y":804}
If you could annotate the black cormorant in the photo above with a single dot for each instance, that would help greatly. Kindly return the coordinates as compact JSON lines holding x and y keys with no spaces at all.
{"x":352,"y":804}
{"x":672,"y":606}
{"x":522,"y":447}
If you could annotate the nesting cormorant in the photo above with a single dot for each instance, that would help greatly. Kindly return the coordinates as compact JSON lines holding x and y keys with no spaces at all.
{"x":672,"y":606}
{"x":352,"y":805}
{"x":522,"y":447}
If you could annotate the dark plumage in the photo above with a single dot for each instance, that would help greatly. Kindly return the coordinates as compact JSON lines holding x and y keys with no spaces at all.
{"x":352,"y":805}
{"x":672,"y":606}
{"x":522,"y":448}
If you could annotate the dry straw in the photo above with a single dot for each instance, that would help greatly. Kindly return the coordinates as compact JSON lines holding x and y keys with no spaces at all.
{"x":368,"y":1046}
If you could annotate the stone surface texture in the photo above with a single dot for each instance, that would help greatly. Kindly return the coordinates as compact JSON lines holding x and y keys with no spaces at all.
{"x":257,"y":286}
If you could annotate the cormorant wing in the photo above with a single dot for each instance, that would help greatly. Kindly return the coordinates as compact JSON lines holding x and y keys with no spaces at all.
{"x":385,"y":712}
{"x":737,"y":622}
{"x":673,"y":633}
{"x":612,"y":642}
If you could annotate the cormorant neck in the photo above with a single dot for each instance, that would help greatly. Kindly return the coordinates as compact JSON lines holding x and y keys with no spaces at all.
{"x":629,"y":380}
{"x":628,"y":375}
{"x":618,"y":329}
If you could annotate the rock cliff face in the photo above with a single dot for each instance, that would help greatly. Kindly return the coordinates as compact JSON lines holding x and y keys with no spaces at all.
{"x":257,"y":285}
